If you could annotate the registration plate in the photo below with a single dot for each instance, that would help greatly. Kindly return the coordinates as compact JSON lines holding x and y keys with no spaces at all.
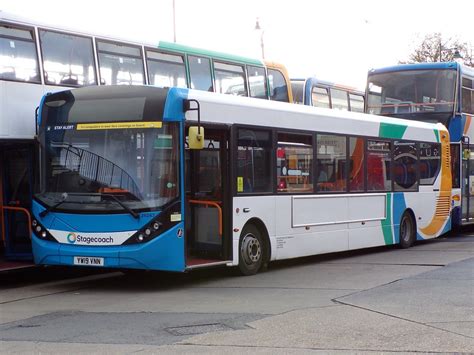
{"x":88,"y":260}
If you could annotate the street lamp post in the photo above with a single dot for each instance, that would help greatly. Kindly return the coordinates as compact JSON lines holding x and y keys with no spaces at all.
{"x":174,"y":22}
{"x":259,"y":29}
{"x":456,"y":56}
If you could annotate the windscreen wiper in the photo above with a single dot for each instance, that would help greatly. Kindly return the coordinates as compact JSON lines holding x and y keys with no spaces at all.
{"x":52,"y":207}
{"x":124,"y":206}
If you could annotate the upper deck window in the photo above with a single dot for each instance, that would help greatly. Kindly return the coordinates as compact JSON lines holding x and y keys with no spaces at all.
{"x":166,"y":69}
{"x":357,"y":102}
{"x":257,"y":82}
{"x":120,"y":64}
{"x":18,"y":59}
{"x":339,"y":99}
{"x":411,"y":91}
{"x":67,"y":59}
{"x":200,"y":72}
{"x":320,"y":97}
{"x":467,"y":95}
{"x":278,"y":86}
{"x":230,"y":79}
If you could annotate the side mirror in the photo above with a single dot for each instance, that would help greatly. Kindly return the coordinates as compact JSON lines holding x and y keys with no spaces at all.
{"x":196,"y":137}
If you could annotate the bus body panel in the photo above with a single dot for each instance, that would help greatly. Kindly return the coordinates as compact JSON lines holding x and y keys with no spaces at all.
{"x":165,"y":252}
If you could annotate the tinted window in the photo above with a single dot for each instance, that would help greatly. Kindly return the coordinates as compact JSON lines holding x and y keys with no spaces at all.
{"x":230,"y":79}
{"x":18,"y":59}
{"x":467,"y":96}
{"x":339,"y":99}
{"x":166,"y":70}
{"x":67,"y":59}
{"x":254,"y":161}
{"x":378,"y":166}
{"x":200,"y":71}
{"x":357,"y":102}
{"x":331,"y":163}
{"x":356,"y":164}
{"x":320,"y":97}
{"x":294,"y":163}
{"x":430,"y":162}
{"x":278,"y":86}
{"x":257,"y":82}
{"x":456,"y":165}
{"x":120,"y":64}
{"x":405,"y":163}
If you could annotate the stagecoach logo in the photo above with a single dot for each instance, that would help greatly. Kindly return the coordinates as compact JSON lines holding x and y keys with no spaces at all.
{"x":71,"y":238}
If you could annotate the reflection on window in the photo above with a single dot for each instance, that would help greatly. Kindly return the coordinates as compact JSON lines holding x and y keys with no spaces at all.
{"x":378,"y":166}
{"x":18,"y":59}
{"x":357,"y":102}
{"x":411,"y":91}
{"x":67,"y":59}
{"x":254,"y":161}
{"x":230,"y":79}
{"x":339,"y":99}
{"x":257,"y":82}
{"x":120,"y":64}
{"x":278,"y":86}
{"x":166,"y":70}
{"x":430,"y":162}
{"x":356,"y":167}
{"x":320,"y":97}
{"x":200,"y":71}
{"x":405,"y":163}
{"x":294,"y":163}
{"x":331,"y":163}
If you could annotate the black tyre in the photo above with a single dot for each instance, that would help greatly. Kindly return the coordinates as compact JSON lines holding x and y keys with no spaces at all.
{"x":251,"y":250}
{"x":407,"y":230}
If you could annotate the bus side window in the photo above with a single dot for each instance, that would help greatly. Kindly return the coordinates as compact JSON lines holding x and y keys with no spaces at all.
{"x":379,"y":166}
{"x":278,"y":86}
{"x":67,"y":59}
{"x":257,"y":82}
{"x":120,"y":64}
{"x":320,"y":97}
{"x":200,"y":72}
{"x":19,"y":57}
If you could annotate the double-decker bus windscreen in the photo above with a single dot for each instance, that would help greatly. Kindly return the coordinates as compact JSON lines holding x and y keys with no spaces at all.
{"x":115,"y":166}
{"x":413,"y":94}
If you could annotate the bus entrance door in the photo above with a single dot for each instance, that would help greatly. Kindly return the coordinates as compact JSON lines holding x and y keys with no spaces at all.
{"x":15,"y":201}
{"x":206,"y":207}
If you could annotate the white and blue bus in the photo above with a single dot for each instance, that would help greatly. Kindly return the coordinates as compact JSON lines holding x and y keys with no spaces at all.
{"x":36,"y":58}
{"x":176,"y":179}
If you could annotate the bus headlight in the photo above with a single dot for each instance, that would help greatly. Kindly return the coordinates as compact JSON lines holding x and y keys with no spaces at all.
{"x":41,"y":232}
{"x":157,"y":226}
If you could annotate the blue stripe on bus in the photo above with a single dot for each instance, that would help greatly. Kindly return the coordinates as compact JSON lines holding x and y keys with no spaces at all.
{"x":90,"y":223}
{"x":173,"y":110}
{"x":399,"y":206}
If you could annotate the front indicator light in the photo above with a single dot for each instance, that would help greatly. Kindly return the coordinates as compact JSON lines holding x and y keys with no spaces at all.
{"x":141,"y":237}
{"x":38,"y":229}
{"x":148,"y":232}
{"x":43,"y":234}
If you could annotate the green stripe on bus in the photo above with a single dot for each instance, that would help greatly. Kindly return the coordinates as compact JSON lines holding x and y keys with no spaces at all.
{"x":391,"y":130}
{"x":437,"y":135}
{"x":387,"y":222}
{"x":169,"y":46}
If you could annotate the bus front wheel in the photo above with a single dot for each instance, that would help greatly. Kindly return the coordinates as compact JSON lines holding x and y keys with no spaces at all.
{"x":407,"y":230}
{"x":251,"y":250}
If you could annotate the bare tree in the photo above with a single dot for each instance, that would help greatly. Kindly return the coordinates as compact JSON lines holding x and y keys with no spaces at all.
{"x":435,"y":48}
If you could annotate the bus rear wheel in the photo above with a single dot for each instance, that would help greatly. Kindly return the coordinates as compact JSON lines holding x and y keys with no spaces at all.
{"x":251,"y":250}
{"x":407,"y":230}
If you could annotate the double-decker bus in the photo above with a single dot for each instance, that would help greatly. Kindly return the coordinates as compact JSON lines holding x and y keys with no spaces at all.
{"x":36,"y":59}
{"x":320,"y":93}
{"x":434,"y":92}
{"x":177,"y":179}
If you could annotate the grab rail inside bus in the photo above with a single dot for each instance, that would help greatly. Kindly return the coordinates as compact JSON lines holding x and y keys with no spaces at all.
{"x":17,"y":209}
{"x":213,"y":204}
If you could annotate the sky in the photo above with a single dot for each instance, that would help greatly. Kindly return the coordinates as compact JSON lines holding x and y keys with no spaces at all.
{"x":336,"y":40}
